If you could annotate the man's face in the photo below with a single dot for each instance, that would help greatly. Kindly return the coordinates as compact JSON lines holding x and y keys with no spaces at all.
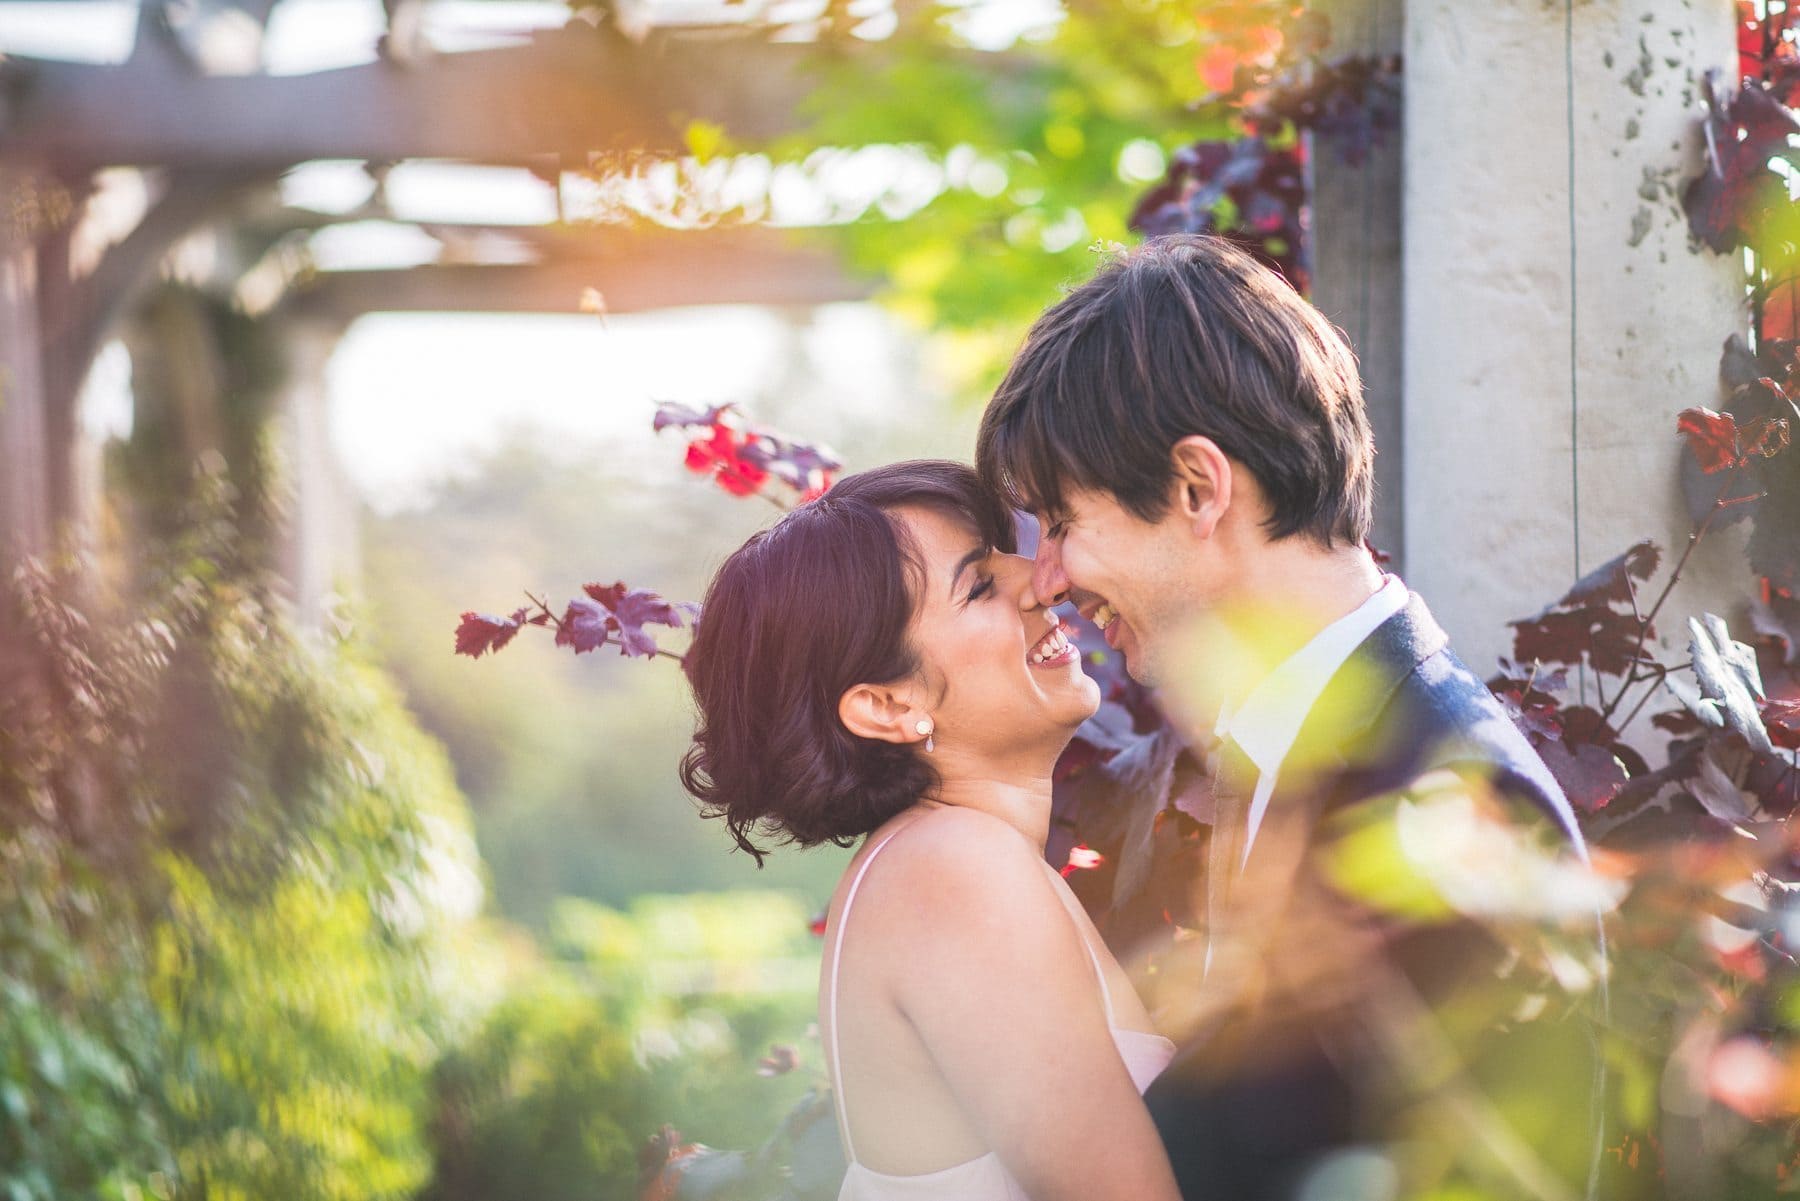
{"x":1133,"y":578}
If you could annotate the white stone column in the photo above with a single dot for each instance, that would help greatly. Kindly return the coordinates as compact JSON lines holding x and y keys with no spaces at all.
{"x":1490,"y":491}
{"x":320,"y":544}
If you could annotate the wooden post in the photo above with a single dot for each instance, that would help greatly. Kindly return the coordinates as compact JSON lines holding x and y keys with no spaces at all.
{"x":1356,"y":262}
{"x":27,"y":204}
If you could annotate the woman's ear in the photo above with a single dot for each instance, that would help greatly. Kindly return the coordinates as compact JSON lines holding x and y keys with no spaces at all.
{"x":1202,"y":483}
{"x":883,"y":712}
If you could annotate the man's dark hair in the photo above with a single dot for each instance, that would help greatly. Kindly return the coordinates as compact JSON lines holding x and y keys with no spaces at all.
{"x":819,"y":602}
{"x":1185,"y":335}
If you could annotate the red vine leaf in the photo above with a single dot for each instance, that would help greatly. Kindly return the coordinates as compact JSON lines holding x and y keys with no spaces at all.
{"x":1712,"y":437}
{"x":1082,"y":858}
{"x":1611,"y":581}
{"x":803,"y":466}
{"x":479,"y":633}
{"x":1606,"y":637}
{"x":1782,"y":719}
{"x":616,"y":613}
{"x":1077,"y":757}
{"x":1530,"y":700}
{"x":1728,"y":202}
{"x":741,"y":457}
{"x":1679,"y":722}
{"x":1766,"y":436}
{"x":584,"y":626}
{"x":1592,"y":620}
{"x":720,"y":456}
{"x":681,"y":416}
{"x":1590,"y":776}
{"x":780,"y":1060}
{"x":1776,"y":620}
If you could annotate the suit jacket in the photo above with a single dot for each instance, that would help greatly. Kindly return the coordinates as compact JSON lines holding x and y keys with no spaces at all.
{"x":1245,"y":1125}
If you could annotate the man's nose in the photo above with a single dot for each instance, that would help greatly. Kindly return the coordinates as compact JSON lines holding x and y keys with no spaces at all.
{"x":1047,"y":578}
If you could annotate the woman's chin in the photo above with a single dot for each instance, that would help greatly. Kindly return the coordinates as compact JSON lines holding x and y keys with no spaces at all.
{"x":1086,"y":706}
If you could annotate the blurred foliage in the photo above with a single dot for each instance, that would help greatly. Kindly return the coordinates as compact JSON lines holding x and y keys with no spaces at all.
{"x":627,"y":1017}
{"x":220,"y":993}
{"x":1043,"y":147}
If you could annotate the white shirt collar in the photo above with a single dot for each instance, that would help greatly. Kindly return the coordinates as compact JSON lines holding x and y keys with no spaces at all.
{"x":1269,"y":719}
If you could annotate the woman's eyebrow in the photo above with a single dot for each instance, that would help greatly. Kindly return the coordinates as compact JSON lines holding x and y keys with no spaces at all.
{"x":974,"y":556}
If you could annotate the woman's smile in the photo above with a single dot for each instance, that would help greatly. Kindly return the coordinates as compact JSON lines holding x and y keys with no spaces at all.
{"x":1055,"y":649}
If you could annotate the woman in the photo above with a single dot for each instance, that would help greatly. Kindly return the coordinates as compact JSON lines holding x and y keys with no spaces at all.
{"x":877,"y":665}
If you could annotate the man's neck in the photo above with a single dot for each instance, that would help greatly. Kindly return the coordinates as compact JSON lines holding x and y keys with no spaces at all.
{"x":1309,"y":586}
{"x":1282,"y":596}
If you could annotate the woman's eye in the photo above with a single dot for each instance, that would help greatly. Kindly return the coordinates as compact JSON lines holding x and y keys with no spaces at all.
{"x":982,"y":588}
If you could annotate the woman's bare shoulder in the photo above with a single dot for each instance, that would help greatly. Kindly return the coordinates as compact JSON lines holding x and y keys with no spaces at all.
{"x":954,"y":857}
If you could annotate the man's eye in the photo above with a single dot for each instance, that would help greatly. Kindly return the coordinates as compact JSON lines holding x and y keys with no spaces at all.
{"x":982,"y":588}
{"x":1056,"y":529}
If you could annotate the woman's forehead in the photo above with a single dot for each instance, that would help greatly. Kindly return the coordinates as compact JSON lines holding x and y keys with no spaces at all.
{"x":938,"y":540}
{"x":939,"y":533}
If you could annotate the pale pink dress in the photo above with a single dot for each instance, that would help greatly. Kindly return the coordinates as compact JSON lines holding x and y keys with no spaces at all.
{"x":982,"y":1178}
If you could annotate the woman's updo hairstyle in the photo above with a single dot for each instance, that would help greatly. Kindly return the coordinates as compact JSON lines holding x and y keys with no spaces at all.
{"x":818,"y":602}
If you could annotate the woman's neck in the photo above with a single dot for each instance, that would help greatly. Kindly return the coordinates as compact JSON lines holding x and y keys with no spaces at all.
{"x":1020,"y":798}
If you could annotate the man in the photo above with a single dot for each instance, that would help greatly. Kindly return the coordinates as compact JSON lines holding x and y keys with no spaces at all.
{"x":1190,"y":433}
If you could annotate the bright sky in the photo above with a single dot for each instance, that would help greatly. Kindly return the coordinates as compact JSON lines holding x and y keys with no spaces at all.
{"x":422,"y":397}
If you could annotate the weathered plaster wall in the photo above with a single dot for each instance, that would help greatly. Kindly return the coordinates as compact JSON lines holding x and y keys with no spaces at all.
{"x":1490,"y":502}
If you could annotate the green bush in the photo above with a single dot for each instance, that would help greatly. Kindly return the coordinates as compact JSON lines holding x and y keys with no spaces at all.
{"x":232,"y":863}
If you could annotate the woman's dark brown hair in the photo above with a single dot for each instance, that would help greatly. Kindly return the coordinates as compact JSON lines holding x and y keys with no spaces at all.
{"x":817,"y":603}
{"x":1185,"y":334}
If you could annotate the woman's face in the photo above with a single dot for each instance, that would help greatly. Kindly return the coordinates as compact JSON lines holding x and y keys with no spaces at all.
{"x":1000,"y":674}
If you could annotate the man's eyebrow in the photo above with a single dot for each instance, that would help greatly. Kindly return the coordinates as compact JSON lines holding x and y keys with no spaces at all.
{"x":974,"y":556}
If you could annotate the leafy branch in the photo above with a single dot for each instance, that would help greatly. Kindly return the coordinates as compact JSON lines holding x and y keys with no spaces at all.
{"x":744,"y":460}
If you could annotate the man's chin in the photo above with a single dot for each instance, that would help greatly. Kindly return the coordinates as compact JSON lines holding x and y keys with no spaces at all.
{"x":1138,"y":666}
{"x":1140,"y":672}
{"x":1130,"y":649}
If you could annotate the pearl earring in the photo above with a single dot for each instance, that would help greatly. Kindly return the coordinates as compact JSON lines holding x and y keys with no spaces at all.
{"x":924,"y":727}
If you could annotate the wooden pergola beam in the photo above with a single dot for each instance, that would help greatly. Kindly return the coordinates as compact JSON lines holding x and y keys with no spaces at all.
{"x":563,"y":94}
{"x":639,"y":274}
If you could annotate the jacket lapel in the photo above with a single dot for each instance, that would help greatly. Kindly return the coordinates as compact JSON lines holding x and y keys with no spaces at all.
{"x":1341,"y":728}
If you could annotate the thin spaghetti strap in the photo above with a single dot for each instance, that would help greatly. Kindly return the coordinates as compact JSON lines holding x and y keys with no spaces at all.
{"x":837,"y":950}
{"x":1099,"y":972}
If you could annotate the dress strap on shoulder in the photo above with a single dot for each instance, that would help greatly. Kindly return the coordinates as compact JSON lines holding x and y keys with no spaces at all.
{"x":837,"y":949}
{"x":1099,"y":972}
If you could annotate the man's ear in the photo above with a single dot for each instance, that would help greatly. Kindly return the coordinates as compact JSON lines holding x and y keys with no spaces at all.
{"x":883,"y":712}
{"x":1202,"y":483}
